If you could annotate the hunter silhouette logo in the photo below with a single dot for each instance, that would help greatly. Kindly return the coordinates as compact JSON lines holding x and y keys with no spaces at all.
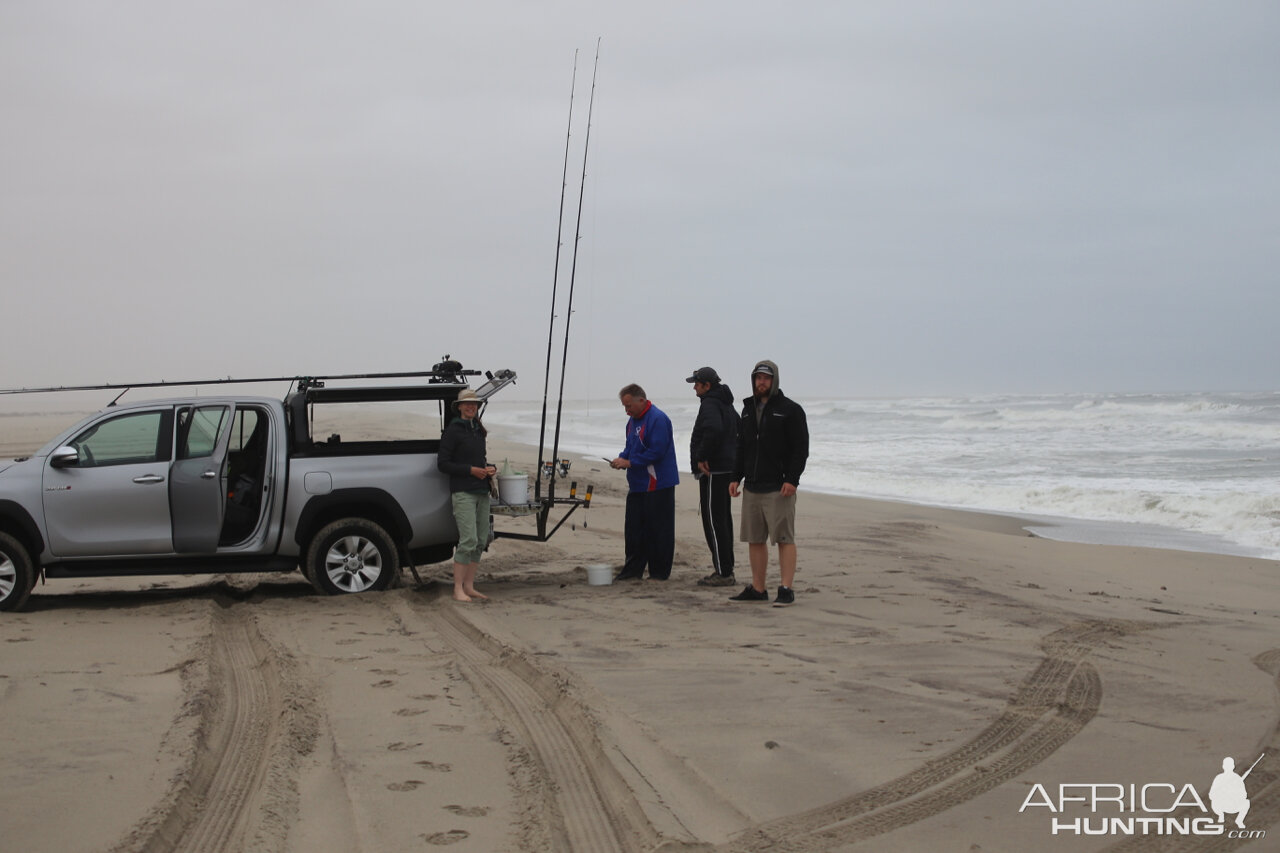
{"x":1227,"y":794}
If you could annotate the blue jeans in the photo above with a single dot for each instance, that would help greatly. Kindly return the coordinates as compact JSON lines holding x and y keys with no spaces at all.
{"x":471,"y":514}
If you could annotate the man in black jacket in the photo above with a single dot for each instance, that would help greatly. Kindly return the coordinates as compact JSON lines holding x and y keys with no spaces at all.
{"x":711,"y":454}
{"x":773,"y":446}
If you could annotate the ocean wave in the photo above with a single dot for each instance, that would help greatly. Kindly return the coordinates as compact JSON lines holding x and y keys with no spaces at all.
{"x":1208,"y":463}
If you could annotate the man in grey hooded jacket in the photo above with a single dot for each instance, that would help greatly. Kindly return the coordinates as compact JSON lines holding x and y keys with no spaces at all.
{"x":773,"y":447}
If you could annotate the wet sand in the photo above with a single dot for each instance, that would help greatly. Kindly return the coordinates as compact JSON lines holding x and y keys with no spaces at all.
{"x":936,"y":667}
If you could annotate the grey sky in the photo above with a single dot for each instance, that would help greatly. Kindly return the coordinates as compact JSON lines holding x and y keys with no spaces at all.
{"x":892,"y":198}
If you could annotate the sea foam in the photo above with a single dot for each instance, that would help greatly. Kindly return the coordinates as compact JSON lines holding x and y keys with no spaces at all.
{"x":1203,"y":467}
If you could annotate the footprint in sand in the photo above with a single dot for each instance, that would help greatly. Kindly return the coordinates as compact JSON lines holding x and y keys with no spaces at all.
{"x":425,"y":697}
{"x":431,"y":765}
{"x":410,"y":785}
{"x":345,"y":642}
{"x":440,"y":839}
{"x":386,"y":682}
{"x":401,"y":746}
{"x":385,"y":671}
{"x":445,"y":727}
{"x":410,"y":712}
{"x":468,"y":811}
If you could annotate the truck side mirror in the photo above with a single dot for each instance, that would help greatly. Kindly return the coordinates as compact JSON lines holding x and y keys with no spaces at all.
{"x":64,"y":457}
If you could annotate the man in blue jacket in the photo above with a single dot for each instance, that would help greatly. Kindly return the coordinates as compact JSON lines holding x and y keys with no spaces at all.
{"x":652,"y":474}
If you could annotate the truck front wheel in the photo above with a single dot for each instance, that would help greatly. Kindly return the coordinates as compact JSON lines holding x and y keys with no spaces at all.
{"x":351,"y":555}
{"x":17,"y":574}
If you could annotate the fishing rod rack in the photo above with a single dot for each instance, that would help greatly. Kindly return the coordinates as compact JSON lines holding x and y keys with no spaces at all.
{"x":540,"y":508}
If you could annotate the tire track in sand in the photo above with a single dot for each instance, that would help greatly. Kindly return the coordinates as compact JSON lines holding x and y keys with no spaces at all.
{"x":590,"y":808}
{"x":594,"y":810}
{"x":1049,"y":708}
{"x":241,"y":720}
{"x":1263,"y":787}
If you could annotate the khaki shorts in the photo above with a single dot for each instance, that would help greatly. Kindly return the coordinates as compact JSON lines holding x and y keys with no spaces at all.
{"x":768,"y":516}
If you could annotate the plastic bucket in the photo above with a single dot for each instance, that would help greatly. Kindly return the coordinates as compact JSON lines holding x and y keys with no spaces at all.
{"x":513,"y":489}
{"x":600,"y":574}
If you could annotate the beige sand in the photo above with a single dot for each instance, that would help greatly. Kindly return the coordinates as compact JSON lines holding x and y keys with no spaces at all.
{"x":937,"y":665}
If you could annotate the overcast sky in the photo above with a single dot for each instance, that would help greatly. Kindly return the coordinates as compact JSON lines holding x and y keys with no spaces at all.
{"x":886,"y":198}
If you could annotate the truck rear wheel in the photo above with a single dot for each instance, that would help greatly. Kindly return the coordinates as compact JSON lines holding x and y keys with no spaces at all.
{"x":351,"y":555}
{"x":17,"y":574}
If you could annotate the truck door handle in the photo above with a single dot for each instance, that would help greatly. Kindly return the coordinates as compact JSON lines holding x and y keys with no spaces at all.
{"x":208,"y":475}
{"x":148,"y":479}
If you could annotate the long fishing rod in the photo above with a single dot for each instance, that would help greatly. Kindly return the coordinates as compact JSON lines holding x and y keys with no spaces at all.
{"x":313,"y":381}
{"x":555,"y":281}
{"x":573,"y":270}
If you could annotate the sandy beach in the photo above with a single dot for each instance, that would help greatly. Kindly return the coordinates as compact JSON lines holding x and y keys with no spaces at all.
{"x":937,"y":667}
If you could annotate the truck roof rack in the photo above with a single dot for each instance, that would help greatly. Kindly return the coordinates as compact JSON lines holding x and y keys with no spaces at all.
{"x":434,"y":390}
{"x":446,"y":372}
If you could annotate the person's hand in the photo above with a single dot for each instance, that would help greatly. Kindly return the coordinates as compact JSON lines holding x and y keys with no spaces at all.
{"x":704,"y":467}
{"x":788,"y":490}
{"x":620,"y":463}
{"x":481,"y":473}
{"x":491,"y":470}
{"x":733,"y":490}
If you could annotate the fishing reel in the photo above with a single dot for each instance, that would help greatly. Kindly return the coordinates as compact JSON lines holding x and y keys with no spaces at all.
{"x":447,"y":372}
{"x":553,"y":467}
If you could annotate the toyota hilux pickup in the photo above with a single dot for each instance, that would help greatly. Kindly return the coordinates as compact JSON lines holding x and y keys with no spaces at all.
{"x":238,"y":484}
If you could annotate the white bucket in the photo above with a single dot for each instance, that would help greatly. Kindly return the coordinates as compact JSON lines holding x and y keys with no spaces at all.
{"x":513,"y":489}
{"x":600,"y":574}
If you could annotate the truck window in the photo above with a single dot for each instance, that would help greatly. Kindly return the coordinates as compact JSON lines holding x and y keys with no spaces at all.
{"x":127,"y":440}
{"x":243,"y":427}
{"x":380,"y":422}
{"x":198,"y":430}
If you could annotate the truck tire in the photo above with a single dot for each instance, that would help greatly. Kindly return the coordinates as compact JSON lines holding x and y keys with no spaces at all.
{"x":351,"y":555}
{"x":17,"y":574}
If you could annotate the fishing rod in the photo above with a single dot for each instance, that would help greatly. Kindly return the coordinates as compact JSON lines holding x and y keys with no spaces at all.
{"x":573,"y":269}
{"x":1253,"y":765}
{"x":543,"y":506}
{"x":555,"y":281}
{"x":446,"y":372}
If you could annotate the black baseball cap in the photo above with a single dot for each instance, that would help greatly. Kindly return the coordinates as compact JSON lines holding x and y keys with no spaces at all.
{"x":704,"y":374}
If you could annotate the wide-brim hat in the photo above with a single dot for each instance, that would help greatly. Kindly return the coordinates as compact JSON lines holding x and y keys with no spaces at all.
{"x":466,"y":395}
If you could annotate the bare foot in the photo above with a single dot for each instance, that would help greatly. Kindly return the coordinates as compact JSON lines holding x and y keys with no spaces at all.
{"x":479,"y":595}
{"x":459,"y":596}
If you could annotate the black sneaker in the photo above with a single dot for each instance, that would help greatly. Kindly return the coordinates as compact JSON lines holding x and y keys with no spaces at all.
{"x":749,"y":594}
{"x":714,"y":579}
{"x":785,"y":597}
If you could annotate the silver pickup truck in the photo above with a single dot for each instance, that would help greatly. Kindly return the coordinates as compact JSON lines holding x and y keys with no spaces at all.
{"x":235,"y":484}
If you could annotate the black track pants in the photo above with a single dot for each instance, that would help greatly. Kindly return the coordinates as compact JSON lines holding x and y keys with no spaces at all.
{"x":717,"y":520}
